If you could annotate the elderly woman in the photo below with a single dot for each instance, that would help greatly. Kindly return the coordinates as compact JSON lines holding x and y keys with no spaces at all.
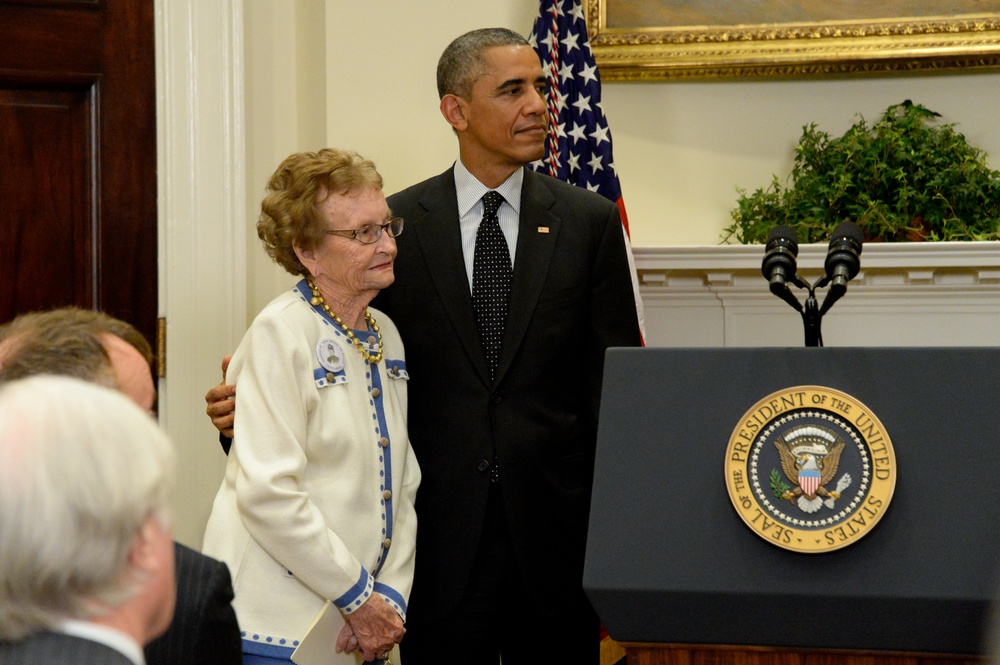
{"x":317,"y":502}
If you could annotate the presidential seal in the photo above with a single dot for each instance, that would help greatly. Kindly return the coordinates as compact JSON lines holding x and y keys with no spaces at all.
{"x":810,"y":469}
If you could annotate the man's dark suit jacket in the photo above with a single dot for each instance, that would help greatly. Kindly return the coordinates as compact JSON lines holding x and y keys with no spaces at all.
{"x":204,"y":629}
{"x":59,"y":649}
{"x":571,"y":299}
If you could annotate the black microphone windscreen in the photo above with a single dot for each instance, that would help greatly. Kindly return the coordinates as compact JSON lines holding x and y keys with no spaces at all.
{"x":849,"y":231}
{"x":779,"y":256}
{"x":786,"y":234}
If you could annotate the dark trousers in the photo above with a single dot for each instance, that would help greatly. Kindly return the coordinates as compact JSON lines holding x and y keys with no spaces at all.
{"x":498,"y":617}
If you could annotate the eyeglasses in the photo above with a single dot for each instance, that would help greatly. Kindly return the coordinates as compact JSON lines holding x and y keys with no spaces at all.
{"x":370,"y":234}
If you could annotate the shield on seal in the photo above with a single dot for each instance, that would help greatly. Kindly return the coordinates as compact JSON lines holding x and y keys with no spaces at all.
{"x":809,"y":481}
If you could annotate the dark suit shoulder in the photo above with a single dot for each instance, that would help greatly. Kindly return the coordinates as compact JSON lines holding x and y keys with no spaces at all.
{"x":426,"y":194}
{"x":200,"y":579}
{"x":204,"y":628}
{"x":50,"y":648}
{"x":194,"y":562}
{"x":565,"y":192}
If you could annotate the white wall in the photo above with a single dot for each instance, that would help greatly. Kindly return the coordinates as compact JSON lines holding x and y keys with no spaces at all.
{"x":285,"y":79}
{"x":361,"y":75}
{"x":682,"y":149}
{"x":382,"y":93}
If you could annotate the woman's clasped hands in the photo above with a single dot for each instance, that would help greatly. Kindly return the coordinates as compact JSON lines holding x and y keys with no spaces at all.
{"x":373,"y":630}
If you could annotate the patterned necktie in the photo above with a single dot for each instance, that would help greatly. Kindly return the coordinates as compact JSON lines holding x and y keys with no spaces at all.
{"x":491,"y":279}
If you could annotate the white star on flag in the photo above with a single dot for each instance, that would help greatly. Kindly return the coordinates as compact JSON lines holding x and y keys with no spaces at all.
{"x":570,"y":42}
{"x":589,"y":74}
{"x":566,"y":72}
{"x":574,"y":162}
{"x":600,"y":134}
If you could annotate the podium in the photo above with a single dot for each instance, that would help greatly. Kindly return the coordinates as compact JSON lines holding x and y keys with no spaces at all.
{"x":677,"y":576}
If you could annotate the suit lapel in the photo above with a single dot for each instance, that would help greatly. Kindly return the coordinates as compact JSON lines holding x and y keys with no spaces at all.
{"x":440,"y":239}
{"x":538,"y":230}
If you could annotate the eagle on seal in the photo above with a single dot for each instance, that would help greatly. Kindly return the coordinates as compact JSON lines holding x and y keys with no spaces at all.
{"x":810,"y":456}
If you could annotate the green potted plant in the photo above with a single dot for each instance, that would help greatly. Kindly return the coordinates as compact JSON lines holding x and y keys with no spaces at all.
{"x":902,"y":178}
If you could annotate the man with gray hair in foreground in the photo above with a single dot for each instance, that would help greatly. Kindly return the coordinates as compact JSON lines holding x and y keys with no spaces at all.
{"x":87,"y":553}
{"x":96,"y":347}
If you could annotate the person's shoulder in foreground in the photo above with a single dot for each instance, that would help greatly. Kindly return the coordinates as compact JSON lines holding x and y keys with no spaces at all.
{"x":87,"y":557}
{"x":52,"y":648}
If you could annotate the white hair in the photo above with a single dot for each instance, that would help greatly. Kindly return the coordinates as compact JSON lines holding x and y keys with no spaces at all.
{"x":82,"y":469}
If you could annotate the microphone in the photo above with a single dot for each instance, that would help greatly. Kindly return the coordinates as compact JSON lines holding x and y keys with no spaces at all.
{"x":779,"y":258}
{"x":842,"y":265}
{"x":842,"y":262}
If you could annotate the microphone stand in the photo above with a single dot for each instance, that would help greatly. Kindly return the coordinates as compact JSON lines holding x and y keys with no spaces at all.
{"x":811,"y":320}
{"x":812,"y":313}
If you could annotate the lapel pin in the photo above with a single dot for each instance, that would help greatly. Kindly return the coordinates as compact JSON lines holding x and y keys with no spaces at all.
{"x":543,"y":229}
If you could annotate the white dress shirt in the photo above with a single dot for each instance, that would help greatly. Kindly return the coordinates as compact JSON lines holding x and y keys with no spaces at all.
{"x":470,"y":210}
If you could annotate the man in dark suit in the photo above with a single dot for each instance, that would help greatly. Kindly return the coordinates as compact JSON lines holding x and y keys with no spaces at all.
{"x":86,"y":558}
{"x":503,"y":422}
{"x":508,"y":458}
{"x":102,"y":349}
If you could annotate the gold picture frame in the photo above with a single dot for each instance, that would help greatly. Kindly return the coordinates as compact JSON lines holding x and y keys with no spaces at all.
{"x":689,"y":39}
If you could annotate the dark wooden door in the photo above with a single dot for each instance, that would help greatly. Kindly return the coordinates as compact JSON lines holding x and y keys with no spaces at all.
{"x":78,"y":158}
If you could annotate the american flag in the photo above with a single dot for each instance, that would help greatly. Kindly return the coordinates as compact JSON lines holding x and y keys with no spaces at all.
{"x":578,"y":149}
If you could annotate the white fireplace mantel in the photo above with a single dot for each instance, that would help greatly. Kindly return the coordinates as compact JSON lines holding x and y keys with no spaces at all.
{"x":906,"y":294}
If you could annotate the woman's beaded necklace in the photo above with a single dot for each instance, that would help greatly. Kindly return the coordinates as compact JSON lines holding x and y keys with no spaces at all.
{"x":318,"y":301}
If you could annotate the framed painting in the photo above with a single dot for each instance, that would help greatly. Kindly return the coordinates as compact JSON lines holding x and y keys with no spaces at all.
{"x":685,"y":39}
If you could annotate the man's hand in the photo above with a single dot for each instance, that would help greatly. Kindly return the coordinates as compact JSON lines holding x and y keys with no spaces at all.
{"x":222,"y":403}
{"x":376,"y":626}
